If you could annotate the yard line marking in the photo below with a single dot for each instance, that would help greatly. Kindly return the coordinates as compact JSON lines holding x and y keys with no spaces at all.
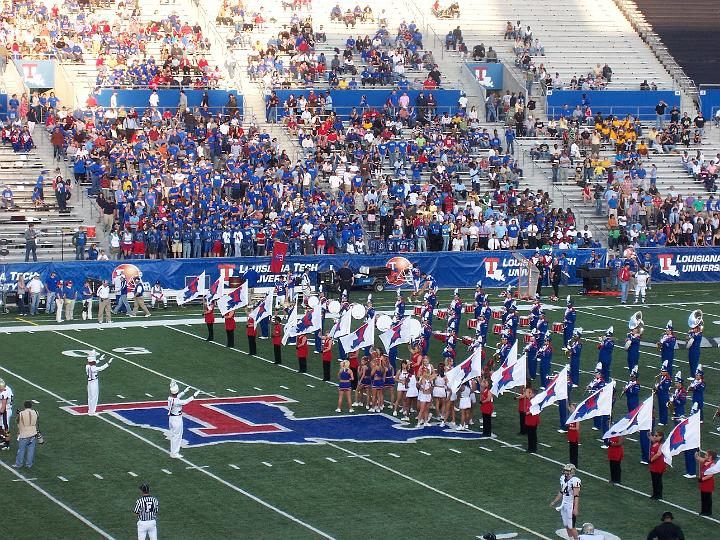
{"x":284,"y":387}
{"x":132,"y":474}
{"x":299,"y":462}
{"x":166,"y":471}
{"x":310,"y":385}
{"x":63,"y":478}
{"x":78,"y":330}
{"x":331,"y":460}
{"x":485,"y":448}
{"x":631,"y":439}
{"x":440,"y":492}
{"x":715,"y":433}
{"x":35,"y":401}
{"x":231,"y":390}
{"x":266,"y":464}
{"x":121,"y":397}
{"x":424,"y":453}
{"x":29,"y":481}
{"x":456,"y":451}
{"x":234,"y":466}
{"x":547,"y":445}
{"x":24,"y":479}
{"x":98,"y":476}
{"x":148,"y":395}
{"x":197,"y":467}
{"x":215,"y":477}
{"x":258,"y":389}
{"x":393,"y":454}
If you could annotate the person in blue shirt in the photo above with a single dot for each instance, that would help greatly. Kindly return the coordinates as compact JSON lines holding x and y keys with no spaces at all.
{"x":667,"y":345}
{"x":697,"y":388}
{"x":80,"y":241}
{"x":70,"y":295}
{"x":605,"y":349}
{"x":574,"y":350}
{"x":693,"y":343}
{"x":531,"y":351}
{"x":662,"y":390}
{"x":92,"y":253}
{"x":544,"y":355}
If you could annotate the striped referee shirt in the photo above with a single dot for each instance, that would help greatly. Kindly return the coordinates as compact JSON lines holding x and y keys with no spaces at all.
{"x":146,"y":508}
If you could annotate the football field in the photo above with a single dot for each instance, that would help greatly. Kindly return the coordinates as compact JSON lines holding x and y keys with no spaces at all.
{"x":266,"y":456}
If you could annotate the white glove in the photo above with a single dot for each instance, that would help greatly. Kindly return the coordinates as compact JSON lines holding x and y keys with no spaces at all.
{"x":186,"y":390}
{"x":197,"y":393}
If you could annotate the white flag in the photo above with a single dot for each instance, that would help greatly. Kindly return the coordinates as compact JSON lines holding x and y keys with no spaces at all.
{"x":263,"y":310}
{"x":235,"y":299}
{"x":216,"y":290}
{"x":342,"y":325}
{"x":290,"y":325}
{"x":639,"y":419}
{"x":713,"y":469}
{"x":192,"y":291}
{"x":362,"y":337}
{"x":599,"y":403}
{"x":684,"y":436}
{"x":465,"y":370}
{"x":310,"y":322}
{"x":511,"y":373}
{"x":556,"y":390}
{"x":397,"y":334}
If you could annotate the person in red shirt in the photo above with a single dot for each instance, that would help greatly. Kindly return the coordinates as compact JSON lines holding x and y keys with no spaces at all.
{"x":326,"y":356}
{"x":209,"y":314}
{"x":657,"y":465}
{"x":301,"y":346}
{"x":531,"y":423}
{"x":616,"y":453}
{"x":486,"y":408}
{"x":522,"y":405}
{"x":230,"y":328}
{"x":573,"y":437}
{"x":251,"y":332}
{"x":706,"y":482}
{"x":277,"y":340}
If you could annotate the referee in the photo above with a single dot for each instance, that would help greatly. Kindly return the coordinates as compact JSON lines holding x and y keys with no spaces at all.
{"x":146,"y":509}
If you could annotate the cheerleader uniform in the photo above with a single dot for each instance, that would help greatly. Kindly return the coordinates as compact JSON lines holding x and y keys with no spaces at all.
{"x":402,"y":381}
{"x":344,"y":380}
{"x":366,"y":378}
{"x":412,"y":389}
{"x":378,"y":379}
{"x":390,"y":376}
{"x":425,"y":394}
{"x":439,"y":390}
{"x":465,"y":401}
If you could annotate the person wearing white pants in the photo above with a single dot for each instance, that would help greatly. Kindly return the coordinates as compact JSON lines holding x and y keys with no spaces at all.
{"x":59,"y":302}
{"x":93,"y":388}
{"x":175,"y":420}
{"x":146,"y":509}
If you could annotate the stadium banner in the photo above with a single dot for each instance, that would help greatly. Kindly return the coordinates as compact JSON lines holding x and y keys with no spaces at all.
{"x":37,"y":73}
{"x":709,"y":100}
{"x":683,"y":263}
{"x":450,"y":269}
{"x":620,"y":103}
{"x":489,"y":76}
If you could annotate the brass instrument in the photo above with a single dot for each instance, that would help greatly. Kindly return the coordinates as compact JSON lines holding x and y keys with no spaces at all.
{"x":671,"y":407}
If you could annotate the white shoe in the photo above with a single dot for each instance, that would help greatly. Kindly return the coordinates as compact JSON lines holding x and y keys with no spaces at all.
{"x":493,"y":415}
{"x":337,"y":410}
{"x":471,"y":423}
{"x":394,"y":413}
{"x":419,"y":424}
{"x":689,"y":476}
{"x":562,"y":431}
{"x":131,"y":315}
{"x":461,"y":428}
{"x":176,"y":456}
{"x":147,"y":314}
{"x":594,"y":428}
{"x":351,"y":410}
{"x":428,"y":424}
{"x":405,"y":419}
{"x":604,"y":447}
{"x":452,"y":425}
{"x":442,"y":424}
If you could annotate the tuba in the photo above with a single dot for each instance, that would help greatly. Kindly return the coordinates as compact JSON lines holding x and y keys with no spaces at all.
{"x":636,"y":322}
{"x":695,"y":319}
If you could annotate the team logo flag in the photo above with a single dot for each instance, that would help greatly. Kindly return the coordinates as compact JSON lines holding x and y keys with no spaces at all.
{"x":290,"y":325}
{"x":639,"y":419}
{"x":465,"y":370}
{"x":235,"y":299}
{"x":192,"y":291}
{"x":216,"y":290}
{"x":556,"y":390}
{"x":310,"y":322}
{"x":278,"y":257}
{"x":263,"y":310}
{"x":599,"y":403}
{"x":342,"y":325}
{"x":397,"y":334}
{"x":511,"y":373}
{"x":684,"y":436}
{"x":362,"y":337}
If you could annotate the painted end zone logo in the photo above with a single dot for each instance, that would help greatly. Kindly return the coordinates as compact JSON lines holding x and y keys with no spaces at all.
{"x":265,"y":419}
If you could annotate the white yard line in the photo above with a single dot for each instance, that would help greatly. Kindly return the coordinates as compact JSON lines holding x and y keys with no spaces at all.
{"x":31,"y":483}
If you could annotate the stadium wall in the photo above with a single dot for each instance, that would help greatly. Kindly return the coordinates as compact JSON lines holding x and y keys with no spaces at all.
{"x":620,"y":103}
{"x":139,"y":98}
{"x":709,"y":100}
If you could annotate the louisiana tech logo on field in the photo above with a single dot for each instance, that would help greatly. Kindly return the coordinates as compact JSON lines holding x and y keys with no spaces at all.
{"x":266,"y":419}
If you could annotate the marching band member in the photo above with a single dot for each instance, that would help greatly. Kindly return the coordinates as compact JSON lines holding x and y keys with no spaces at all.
{"x":569,"y":321}
{"x":482,"y":329}
{"x":277,"y":336}
{"x":563,"y":406}
{"x":593,"y":386}
{"x":327,"y":344}
{"x":531,"y":422}
{"x":453,"y":324}
{"x":175,"y":418}
{"x":573,"y":351}
{"x":514,"y":320}
{"x":545,"y":356}
{"x":689,"y":454}
{"x":632,"y":390}
{"x":679,"y":398}
{"x":697,"y":388}
{"x":318,"y":334}
{"x":486,"y":310}
{"x":417,"y":279}
{"x":531,"y":351}
{"x":369,"y":315}
{"x":251,"y":333}
{"x":542,"y":327}
{"x":657,"y":465}
{"x":456,"y":306}
{"x":535,"y":312}
{"x":662,"y":389}
{"x":157,"y":295}
{"x":87,"y":299}
{"x":616,"y":453}
{"x":642,"y":278}
{"x":427,"y":333}
{"x":605,"y":348}
{"x":632,"y":346}
{"x":694,"y":341}
{"x":480,"y":298}
{"x":426,"y":312}
{"x":522,"y":406}
{"x":507,"y":304}
{"x":667,"y":346}
{"x":486,"y":407}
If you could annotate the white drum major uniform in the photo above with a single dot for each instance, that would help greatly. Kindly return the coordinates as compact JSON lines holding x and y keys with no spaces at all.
{"x":92,"y":371}
{"x":175,"y":421}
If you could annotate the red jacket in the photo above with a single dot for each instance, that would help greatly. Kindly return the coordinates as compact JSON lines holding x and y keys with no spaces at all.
{"x":706,"y":486}
{"x":657,"y":466}
{"x":616,"y":451}
{"x":301,"y":345}
{"x":327,"y":349}
{"x":230,"y":322}
{"x":573,"y":434}
{"x":486,"y":402}
{"x":277,"y":334}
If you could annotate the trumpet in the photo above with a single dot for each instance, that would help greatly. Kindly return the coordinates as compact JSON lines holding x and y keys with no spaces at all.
{"x":671,"y":407}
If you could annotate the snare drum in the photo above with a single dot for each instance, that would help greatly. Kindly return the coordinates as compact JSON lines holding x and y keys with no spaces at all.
{"x":469,"y":308}
{"x":497,"y":314}
{"x":442,"y":313}
{"x":497,"y":329}
{"x":472,"y":323}
{"x":525,"y":321}
{"x":417,"y":310}
{"x":528,"y":338}
{"x":557,"y":327}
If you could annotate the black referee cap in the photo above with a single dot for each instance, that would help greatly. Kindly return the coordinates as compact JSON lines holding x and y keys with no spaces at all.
{"x":145,"y":488}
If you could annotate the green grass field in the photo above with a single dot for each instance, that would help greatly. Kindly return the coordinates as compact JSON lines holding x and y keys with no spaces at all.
{"x":432,"y":487}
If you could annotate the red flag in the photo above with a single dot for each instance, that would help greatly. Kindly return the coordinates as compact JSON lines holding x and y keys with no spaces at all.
{"x":278,"y":257}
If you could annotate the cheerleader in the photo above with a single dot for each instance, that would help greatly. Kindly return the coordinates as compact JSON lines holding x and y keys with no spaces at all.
{"x":411,"y":395}
{"x":466,"y":391}
{"x":402,"y":388}
{"x":450,"y":401}
{"x":378,"y":383}
{"x":389,"y":378}
{"x":362,"y":391}
{"x":425,"y":385}
{"x":439,"y":393}
{"x":697,"y":388}
{"x":345,"y":377}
